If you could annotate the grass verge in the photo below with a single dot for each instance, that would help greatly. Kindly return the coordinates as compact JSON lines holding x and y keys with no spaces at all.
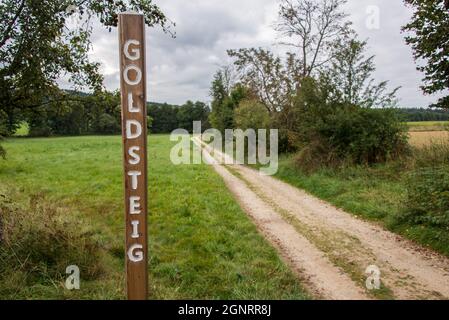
{"x":375,"y":193}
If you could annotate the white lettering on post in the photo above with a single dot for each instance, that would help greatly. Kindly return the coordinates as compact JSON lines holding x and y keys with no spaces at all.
{"x":135,"y":158}
{"x":134,"y":131}
{"x":130,"y":133}
{"x":135,"y":253}
{"x":134,"y":205}
{"x":136,"y":51}
{"x":135,"y":234}
{"x":131,"y":107}
{"x":134,"y":179}
{"x":138,"y":75}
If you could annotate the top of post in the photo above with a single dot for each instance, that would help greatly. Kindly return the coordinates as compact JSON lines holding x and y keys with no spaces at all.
{"x":131,"y":13}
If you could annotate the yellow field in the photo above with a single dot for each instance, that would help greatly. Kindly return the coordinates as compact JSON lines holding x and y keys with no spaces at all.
{"x":423,"y":138}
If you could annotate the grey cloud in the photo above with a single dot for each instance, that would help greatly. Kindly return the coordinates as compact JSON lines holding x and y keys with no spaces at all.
{"x":182,"y":68}
{"x":394,"y":59}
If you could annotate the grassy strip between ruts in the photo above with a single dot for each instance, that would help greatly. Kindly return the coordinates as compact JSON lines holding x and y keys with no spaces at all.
{"x":202,"y":245}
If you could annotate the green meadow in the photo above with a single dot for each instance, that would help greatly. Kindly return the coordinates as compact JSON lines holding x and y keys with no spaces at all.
{"x":61,"y":203}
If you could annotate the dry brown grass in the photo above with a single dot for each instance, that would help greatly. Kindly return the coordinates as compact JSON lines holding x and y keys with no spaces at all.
{"x":38,"y":240}
{"x":426,"y":138}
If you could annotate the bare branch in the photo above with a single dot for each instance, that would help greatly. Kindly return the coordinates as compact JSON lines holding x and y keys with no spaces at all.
{"x":7,"y":33}
{"x":311,"y":25}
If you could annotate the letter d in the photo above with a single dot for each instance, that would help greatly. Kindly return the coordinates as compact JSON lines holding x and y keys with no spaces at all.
{"x":130,"y":134}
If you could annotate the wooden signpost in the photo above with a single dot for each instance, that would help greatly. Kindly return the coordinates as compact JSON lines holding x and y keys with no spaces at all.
{"x":134,"y":132}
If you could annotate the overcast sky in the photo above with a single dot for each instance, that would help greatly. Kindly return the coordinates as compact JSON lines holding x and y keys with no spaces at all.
{"x":182,"y":69}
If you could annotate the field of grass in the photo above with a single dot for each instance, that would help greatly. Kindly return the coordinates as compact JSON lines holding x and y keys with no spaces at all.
{"x":373,"y":193}
{"x":202,"y":245}
{"x":427,"y":126}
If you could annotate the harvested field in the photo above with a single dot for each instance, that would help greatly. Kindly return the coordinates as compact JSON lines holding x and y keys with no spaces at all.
{"x":424,"y":138}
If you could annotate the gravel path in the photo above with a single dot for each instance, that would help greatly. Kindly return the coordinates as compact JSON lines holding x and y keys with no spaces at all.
{"x":329,"y":248}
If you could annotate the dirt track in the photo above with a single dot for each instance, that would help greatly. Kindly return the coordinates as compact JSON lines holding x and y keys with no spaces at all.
{"x":330,"y":249}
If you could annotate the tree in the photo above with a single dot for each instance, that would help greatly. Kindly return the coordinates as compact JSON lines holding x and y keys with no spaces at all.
{"x":190,"y":112}
{"x":267,"y":76}
{"x":312,"y":26}
{"x":38,"y":45}
{"x":224,"y":100}
{"x":427,"y":34}
{"x":100,"y":108}
{"x":164,"y":117}
{"x":107,"y":124}
{"x":81,"y":113}
{"x":251,"y":114}
{"x":349,"y":77}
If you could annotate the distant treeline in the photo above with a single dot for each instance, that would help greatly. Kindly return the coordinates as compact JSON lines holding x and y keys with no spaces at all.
{"x":415,"y":114}
{"x":165,"y":117}
{"x":100,"y":113}
{"x":84,"y":114}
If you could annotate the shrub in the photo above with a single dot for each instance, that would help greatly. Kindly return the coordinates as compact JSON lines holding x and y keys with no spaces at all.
{"x":427,"y":201}
{"x":40,"y":240}
{"x":354,"y":135}
{"x":40,"y":131}
{"x":366,"y":136}
{"x":315,"y":155}
{"x":330,"y":133}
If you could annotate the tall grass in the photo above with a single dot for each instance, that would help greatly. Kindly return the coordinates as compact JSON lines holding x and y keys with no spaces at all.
{"x":425,"y":210}
{"x":433,"y":155}
{"x":38,"y":241}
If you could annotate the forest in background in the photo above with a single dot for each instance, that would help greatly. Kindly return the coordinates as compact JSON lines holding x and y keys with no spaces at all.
{"x":100,"y":114}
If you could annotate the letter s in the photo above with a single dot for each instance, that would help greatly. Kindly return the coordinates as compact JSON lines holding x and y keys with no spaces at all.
{"x":133,"y":154}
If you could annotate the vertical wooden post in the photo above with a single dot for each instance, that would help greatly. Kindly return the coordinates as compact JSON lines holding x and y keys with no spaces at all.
{"x":134,"y":132}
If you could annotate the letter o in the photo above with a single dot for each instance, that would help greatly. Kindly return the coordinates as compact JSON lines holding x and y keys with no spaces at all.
{"x":138,"y":77}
